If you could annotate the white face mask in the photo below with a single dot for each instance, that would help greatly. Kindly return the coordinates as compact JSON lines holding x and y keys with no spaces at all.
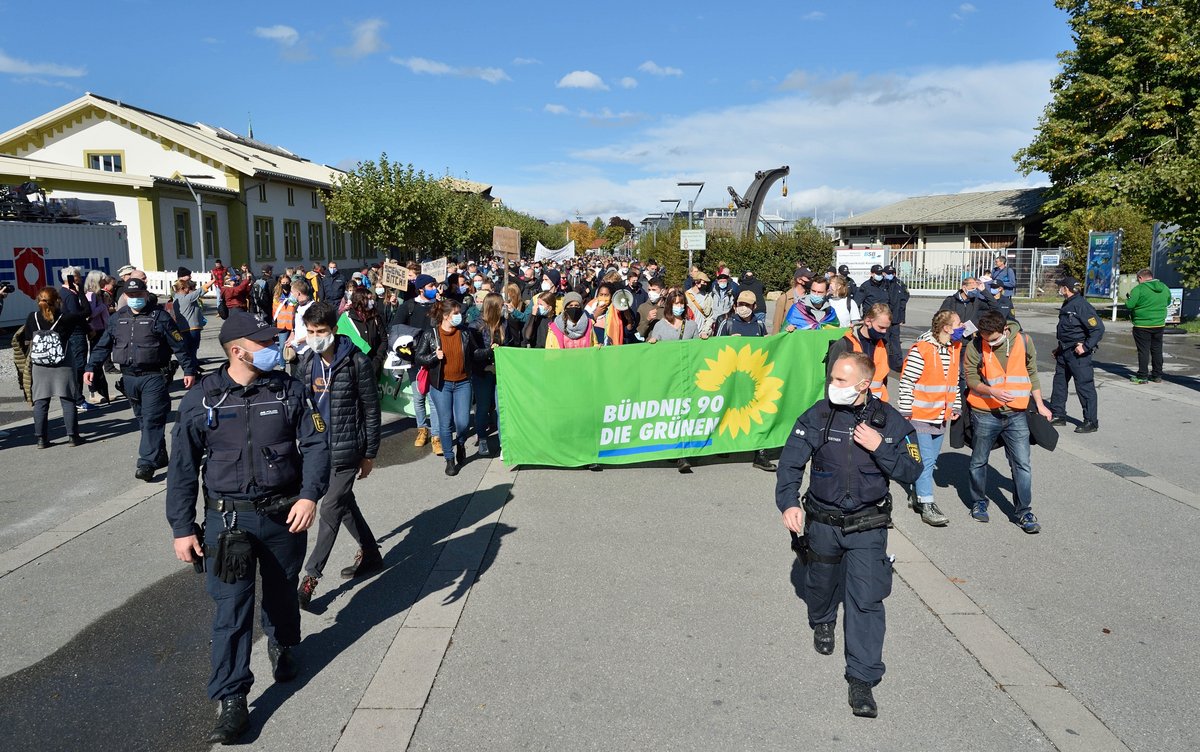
{"x":997,"y":341}
{"x":546,"y":285}
{"x":744,"y":311}
{"x":843,"y":395}
{"x":320,"y":344}
{"x":379,"y":291}
{"x":654,"y":295}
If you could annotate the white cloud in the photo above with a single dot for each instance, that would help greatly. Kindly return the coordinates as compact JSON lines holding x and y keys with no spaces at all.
{"x":654,"y":69}
{"x":854,"y":143}
{"x":526,"y":61}
{"x":964,"y":10}
{"x":815,"y":15}
{"x":39,"y":81}
{"x":25,"y":68}
{"x":285,"y":35}
{"x":367,"y":39}
{"x":581,"y":80}
{"x":556,"y":109}
{"x":629,"y":82}
{"x":438,"y":68}
{"x":605,"y":114}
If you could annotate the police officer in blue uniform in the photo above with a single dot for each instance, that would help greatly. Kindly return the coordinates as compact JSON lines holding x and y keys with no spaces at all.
{"x":141,"y":336}
{"x":1079,"y":332}
{"x":250,"y":435}
{"x":856,"y":443}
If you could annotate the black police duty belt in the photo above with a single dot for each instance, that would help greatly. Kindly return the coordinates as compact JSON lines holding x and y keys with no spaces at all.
{"x":155,"y":371}
{"x":875,"y":516}
{"x":268,"y":505}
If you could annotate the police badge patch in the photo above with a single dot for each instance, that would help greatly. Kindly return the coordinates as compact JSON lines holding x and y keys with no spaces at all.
{"x":913,"y":451}
{"x":1092,"y":321}
{"x":178,"y":337}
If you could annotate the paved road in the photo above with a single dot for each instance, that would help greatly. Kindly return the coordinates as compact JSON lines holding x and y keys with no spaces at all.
{"x":633,"y":608}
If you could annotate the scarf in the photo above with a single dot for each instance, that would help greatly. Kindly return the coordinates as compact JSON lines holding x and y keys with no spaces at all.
{"x":575,"y":330}
{"x":803,"y":316}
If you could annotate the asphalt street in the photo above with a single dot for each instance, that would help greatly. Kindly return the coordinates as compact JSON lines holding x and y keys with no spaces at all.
{"x":633,"y":608}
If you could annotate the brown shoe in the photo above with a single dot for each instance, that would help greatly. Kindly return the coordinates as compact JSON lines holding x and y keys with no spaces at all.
{"x":436,"y":443}
{"x":422,"y":437}
{"x":364,"y":564}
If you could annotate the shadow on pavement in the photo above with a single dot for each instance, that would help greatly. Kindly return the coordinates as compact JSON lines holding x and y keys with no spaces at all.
{"x":954,"y":471}
{"x":408,"y":565}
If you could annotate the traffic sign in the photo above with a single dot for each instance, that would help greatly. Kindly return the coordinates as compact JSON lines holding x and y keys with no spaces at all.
{"x":692,"y":240}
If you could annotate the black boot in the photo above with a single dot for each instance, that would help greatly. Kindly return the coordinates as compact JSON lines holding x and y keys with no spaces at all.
{"x":862,"y":702}
{"x":762,"y":462}
{"x":366,"y":562}
{"x":283,"y":663}
{"x":824,"y":639}
{"x":683,"y":466}
{"x":451,"y":468}
{"x":233,"y":718}
{"x":460,"y":454}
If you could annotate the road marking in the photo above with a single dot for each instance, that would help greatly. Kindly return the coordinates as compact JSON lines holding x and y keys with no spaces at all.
{"x":390,"y":708}
{"x":1057,"y":713}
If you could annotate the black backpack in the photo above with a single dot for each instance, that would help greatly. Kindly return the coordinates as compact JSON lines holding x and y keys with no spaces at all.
{"x":46,"y":347}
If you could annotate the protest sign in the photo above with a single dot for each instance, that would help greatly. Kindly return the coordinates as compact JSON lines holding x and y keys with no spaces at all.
{"x":395,"y":276}
{"x":435,"y":269}
{"x":506,"y":243}
{"x":621,"y":405}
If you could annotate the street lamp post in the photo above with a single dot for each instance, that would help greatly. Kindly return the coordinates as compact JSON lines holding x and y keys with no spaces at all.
{"x":187,"y":180}
{"x":699,"y":186}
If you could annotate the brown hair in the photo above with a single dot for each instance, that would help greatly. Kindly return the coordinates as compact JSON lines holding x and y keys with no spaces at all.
{"x":50,"y":302}
{"x":491,"y":313}
{"x":443,"y":308}
{"x":940,"y":319}
{"x":669,"y":302}
{"x":360,"y":301}
{"x":878,"y":310}
{"x":512,"y":296}
{"x":838,"y":287}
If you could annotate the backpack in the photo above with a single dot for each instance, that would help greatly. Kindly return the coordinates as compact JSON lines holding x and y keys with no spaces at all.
{"x":46,"y":345}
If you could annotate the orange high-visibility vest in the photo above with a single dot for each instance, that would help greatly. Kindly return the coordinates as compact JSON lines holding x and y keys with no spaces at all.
{"x":933,"y":393}
{"x":881,"y":365}
{"x":1012,"y":378}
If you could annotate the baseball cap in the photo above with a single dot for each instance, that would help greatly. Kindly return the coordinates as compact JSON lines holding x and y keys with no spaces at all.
{"x":877,"y":269}
{"x":748,"y":297}
{"x":1068,"y":282}
{"x":136,"y":288}
{"x":242,"y":325}
{"x":889,"y":269}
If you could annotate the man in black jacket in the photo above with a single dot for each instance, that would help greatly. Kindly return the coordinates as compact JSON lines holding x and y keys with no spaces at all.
{"x":333,"y":286}
{"x":966,"y":301}
{"x":340,"y":380}
{"x":748,"y":281}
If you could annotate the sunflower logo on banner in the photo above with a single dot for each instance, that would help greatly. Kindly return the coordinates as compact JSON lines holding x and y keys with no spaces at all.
{"x":745,"y":376}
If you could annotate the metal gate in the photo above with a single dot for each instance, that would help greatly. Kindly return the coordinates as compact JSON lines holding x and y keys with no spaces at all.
{"x":934,"y":273}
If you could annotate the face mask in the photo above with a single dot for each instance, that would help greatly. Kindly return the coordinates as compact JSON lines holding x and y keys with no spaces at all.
{"x":462,"y":289}
{"x":843,"y":395}
{"x":478,"y":284}
{"x":995,"y":290}
{"x":266,"y":359}
{"x":333,"y":270}
{"x":875,"y":335}
{"x":321,"y":344}
{"x":998,"y":341}
{"x":603,"y":300}
{"x":542,"y":310}
{"x":744,"y":311}
{"x":654,"y":295}
{"x":429,"y":293}
{"x":574,"y":314}
{"x":371,"y":303}
{"x":957,"y":334}
{"x":722,"y":285}
{"x":889,"y":277}
{"x":816,"y":301}
{"x":137,"y":304}
{"x":292,"y":300}
{"x":379,"y":291}
{"x":456,"y":319}
{"x":677,"y":310}
{"x":877,"y":277}
{"x":546,"y":285}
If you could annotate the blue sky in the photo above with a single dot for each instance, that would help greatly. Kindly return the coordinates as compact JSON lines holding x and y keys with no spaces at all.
{"x":587,"y":108}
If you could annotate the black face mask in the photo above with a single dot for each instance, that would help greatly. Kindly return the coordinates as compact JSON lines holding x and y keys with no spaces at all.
{"x":574,"y":314}
{"x":875,"y":335}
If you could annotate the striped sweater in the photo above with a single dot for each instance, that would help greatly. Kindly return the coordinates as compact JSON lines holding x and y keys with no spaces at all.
{"x":914,"y":365}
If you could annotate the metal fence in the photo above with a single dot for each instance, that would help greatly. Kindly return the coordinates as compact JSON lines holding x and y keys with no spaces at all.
{"x":939,"y":272}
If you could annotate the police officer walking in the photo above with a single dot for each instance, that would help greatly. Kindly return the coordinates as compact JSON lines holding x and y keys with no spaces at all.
{"x":1079,"y":332}
{"x":251,"y":436}
{"x":856,"y":444}
{"x":141,"y":336}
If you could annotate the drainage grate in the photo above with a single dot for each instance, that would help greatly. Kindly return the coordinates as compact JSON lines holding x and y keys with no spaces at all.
{"x":1123,"y":470}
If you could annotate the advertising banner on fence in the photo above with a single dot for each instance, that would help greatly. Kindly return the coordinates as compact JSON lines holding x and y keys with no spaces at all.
{"x":623,"y":405}
{"x":1103,"y":251}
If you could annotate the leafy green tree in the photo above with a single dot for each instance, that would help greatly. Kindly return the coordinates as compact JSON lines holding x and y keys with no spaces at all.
{"x":1135,"y":245}
{"x":1123,"y":127}
{"x":598,"y":227}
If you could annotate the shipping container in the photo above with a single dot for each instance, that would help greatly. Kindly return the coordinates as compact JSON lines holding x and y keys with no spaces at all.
{"x":32,"y":255}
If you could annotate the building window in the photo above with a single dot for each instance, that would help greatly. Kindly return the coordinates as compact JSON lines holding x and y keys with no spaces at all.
{"x":264,"y":239}
{"x":315,"y":204}
{"x":183,"y":233}
{"x":316,"y":240}
{"x":262,"y":193}
{"x":291,"y":197}
{"x":337,"y":242}
{"x":291,"y":240}
{"x":355,"y":245}
{"x":212,"y":240}
{"x":105,"y":161}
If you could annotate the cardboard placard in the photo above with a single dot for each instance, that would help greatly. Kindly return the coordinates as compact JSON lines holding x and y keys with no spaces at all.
{"x":395,"y":276}
{"x":435,"y":269}
{"x":506,"y":243}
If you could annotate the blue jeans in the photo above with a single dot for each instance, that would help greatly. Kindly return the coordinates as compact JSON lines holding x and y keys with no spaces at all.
{"x":484,"y":387}
{"x":423,"y":407}
{"x":453,"y":404}
{"x":930,"y":447}
{"x":1013,"y":430}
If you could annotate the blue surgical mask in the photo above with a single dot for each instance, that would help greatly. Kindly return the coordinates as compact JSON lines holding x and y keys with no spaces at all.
{"x":137,"y":304}
{"x":266,"y":359}
{"x":722,"y":284}
{"x":889,"y":277}
{"x":816,"y":300}
{"x":429,"y":293}
{"x":456,"y":319}
{"x":462,"y":289}
{"x":677,"y":310}
{"x":957,"y":334}
{"x":877,"y":277}
{"x":478,"y":284}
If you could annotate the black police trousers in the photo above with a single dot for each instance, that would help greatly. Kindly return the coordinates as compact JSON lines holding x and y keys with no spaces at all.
{"x":1068,"y":366}
{"x":860,"y":581}
{"x":278,"y":557}
{"x":150,"y":395}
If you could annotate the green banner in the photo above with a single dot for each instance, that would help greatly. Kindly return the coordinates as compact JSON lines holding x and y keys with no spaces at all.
{"x":639,"y":403}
